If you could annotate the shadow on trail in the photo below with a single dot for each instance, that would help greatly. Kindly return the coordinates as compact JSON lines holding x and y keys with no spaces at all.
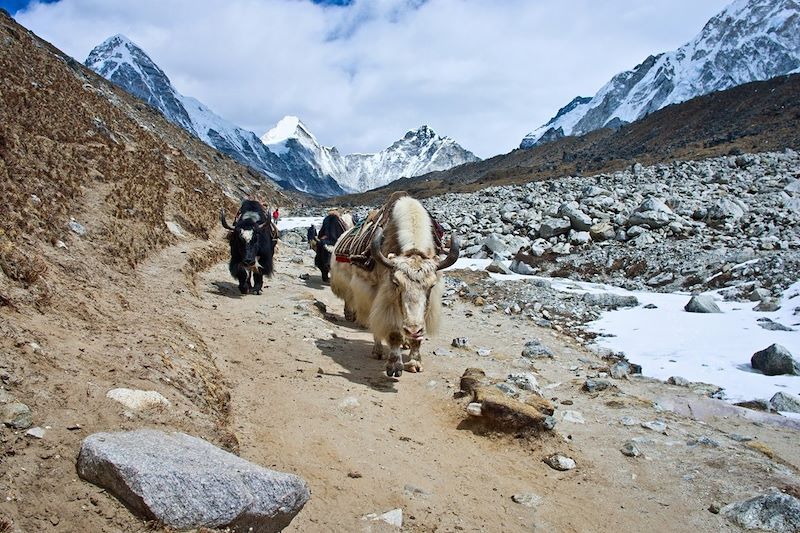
{"x":355,"y":356}
{"x":315,"y":282}
{"x":226,"y":288}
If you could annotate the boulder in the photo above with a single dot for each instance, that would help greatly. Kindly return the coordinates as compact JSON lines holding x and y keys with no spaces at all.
{"x":185,"y":482}
{"x":16,"y":415}
{"x":498,"y":267}
{"x":724,"y":211}
{"x":137,"y":400}
{"x":609,"y":300}
{"x":579,"y":220}
{"x":783,"y":401}
{"x":773,"y":511}
{"x":775,"y":361}
{"x":534,"y":349}
{"x":702,"y":304}
{"x":602,"y":231}
{"x":552,"y":227}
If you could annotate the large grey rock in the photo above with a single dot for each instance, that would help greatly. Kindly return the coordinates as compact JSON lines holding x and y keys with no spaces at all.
{"x":534,"y":349}
{"x":494,"y":243}
{"x":16,"y":415}
{"x":553,"y":227}
{"x":723,"y":211}
{"x":609,"y":300}
{"x":580,"y":221}
{"x":702,"y":304}
{"x":602,"y":231}
{"x":652,"y":213}
{"x":775,"y":361}
{"x":773,"y":511}
{"x":185,"y":482}
{"x":783,"y":401}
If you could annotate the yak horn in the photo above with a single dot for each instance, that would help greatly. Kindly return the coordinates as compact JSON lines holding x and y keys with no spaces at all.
{"x":452,"y":256}
{"x":222,"y":219}
{"x":375,"y":249}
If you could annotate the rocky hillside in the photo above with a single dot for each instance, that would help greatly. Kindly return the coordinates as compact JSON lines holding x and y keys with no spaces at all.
{"x":749,"y":40}
{"x":752,"y":117}
{"x":731,"y":221}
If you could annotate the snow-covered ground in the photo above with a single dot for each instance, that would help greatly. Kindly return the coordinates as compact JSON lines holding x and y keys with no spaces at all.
{"x":668,"y":341}
{"x":298,"y":222}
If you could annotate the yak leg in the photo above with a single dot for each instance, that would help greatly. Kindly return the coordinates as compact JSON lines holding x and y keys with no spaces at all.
{"x":244,"y":280}
{"x":377,"y":348}
{"x":394,"y":366}
{"x":414,"y":364}
{"x":258,"y":281}
{"x":349,"y":313}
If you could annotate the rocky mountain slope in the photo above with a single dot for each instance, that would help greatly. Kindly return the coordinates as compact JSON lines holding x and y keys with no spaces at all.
{"x":128,"y":66}
{"x":755,"y":116}
{"x":749,"y":40}
{"x":731,"y":221}
{"x":289,"y":154}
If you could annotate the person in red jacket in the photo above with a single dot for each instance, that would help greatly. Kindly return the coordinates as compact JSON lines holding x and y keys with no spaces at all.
{"x":275,"y":215}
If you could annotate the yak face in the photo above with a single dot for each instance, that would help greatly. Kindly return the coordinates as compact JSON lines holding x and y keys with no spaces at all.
{"x":250,"y":245}
{"x":413,"y":278}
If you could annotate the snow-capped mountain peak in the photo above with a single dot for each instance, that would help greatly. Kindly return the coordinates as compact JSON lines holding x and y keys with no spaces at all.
{"x":749,"y":40}
{"x":288,"y":153}
{"x":125,"y":64}
{"x":289,"y":127}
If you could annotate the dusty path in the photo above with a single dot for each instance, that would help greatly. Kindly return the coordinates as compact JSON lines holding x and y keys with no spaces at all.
{"x":308,"y":399}
{"x":305,"y":397}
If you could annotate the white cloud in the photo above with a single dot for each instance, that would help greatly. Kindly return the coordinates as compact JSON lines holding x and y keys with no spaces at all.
{"x":484,"y":72}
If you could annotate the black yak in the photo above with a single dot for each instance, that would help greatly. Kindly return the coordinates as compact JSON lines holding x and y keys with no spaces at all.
{"x":252,"y":246}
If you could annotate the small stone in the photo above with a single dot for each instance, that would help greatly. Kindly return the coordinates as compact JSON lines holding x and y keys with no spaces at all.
{"x":679,"y":381}
{"x":74,"y":427}
{"x":393,"y":517}
{"x":16,"y":415}
{"x":628,"y":421}
{"x":36,"y":432}
{"x":595,"y":385}
{"x":507,"y":389}
{"x":650,"y":306}
{"x":620,"y":370}
{"x":702,"y":304}
{"x":137,"y":400}
{"x":479,"y":301}
{"x":460,"y":342}
{"x":572,"y":416}
{"x":703,"y":441}
{"x":483,"y":352}
{"x":351,"y":402}
{"x":549,"y":422}
{"x":475,"y":409}
{"x":354,"y":474}
{"x":76,"y":227}
{"x":767,"y":306}
{"x":534,"y":349}
{"x":527,"y":499}
{"x":630,"y":449}
{"x":442,"y":352}
{"x":656,"y":425}
{"x":559,"y":462}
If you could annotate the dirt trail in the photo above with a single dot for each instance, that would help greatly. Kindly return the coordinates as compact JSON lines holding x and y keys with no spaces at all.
{"x":307,"y":398}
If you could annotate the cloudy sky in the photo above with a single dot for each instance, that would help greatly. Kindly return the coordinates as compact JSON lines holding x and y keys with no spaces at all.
{"x":360,"y":73}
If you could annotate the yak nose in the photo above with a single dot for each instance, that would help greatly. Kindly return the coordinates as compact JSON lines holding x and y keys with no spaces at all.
{"x":249,"y":262}
{"x":414,"y":332}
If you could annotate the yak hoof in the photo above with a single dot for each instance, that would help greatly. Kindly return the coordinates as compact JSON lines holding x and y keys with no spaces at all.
{"x":243,"y":290}
{"x":257,"y":291}
{"x":350,"y":316}
{"x":413,"y":366}
{"x":394,"y":368}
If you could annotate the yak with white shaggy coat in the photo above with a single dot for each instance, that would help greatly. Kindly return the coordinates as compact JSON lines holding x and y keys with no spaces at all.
{"x":400,"y":300}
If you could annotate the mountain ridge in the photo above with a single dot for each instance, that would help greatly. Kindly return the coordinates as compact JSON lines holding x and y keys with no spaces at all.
{"x":749,"y":40}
